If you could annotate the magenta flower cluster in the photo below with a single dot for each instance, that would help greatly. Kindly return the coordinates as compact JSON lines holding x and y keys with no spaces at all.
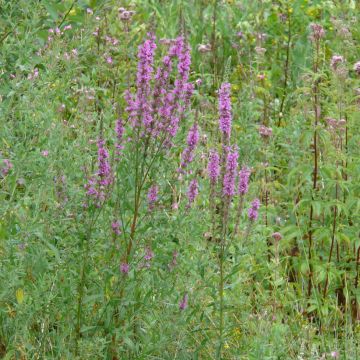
{"x":193,"y":191}
{"x":225,"y":110}
{"x":244,"y":176}
{"x":152,"y":196}
{"x":253,"y":210}
{"x":230,"y":173}
{"x":214,"y":166}
{"x":156,"y":110}
{"x":98,"y":185}
{"x":188,"y":154}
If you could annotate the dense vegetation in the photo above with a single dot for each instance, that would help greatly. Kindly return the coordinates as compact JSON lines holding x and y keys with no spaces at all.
{"x":179,"y":179}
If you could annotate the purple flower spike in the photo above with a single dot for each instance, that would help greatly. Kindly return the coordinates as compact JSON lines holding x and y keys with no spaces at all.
{"x":193,"y":191}
{"x":230,"y":174}
{"x":115,"y":225}
{"x":253,"y":211}
{"x":225,"y":110}
{"x":152,"y":196}
{"x":244,"y":176}
{"x":214,"y":166}
{"x":188,"y":154}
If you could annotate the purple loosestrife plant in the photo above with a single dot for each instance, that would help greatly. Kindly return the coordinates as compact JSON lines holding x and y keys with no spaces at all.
{"x":188,"y":154}
{"x":225,"y":112}
{"x":152,"y":196}
{"x":243,"y":188}
{"x":244,"y":176}
{"x":119,"y":130}
{"x":98,"y":186}
{"x":253,"y":210}
{"x":139,"y":107}
{"x":230,"y":174}
{"x":192,"y":192}
{"x":213,"y":167}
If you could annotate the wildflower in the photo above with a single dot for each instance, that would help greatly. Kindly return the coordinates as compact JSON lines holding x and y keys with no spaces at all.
{"x":119,"y":129}
{"x":240,"y":34}
{"x":225,"y":110}
{"x":214,"y":166}
{"x":97,"y":185}
{"x":188,"y":154}
{"x":357,"y":68}
{"x":253,"y":211}
{"x":124,"y":268}
{"x":184,"y":302}
{"x":276,"y":236}
{"x":318,"y":32}
{"x":89,"y":11}
{"x":140,"y":107}
{"x":109,"y":60}
{"x":7,"y":166}
{"x":104,"y":171}
{"x":244,"y":176}
{"x":45,"y":153}
{"x":230,"y":174}
{"x":148,"y":254}
{"x":192,"y":192}
{"x":336,"y":60}
{"x":152,"y":196}
{"x":125,"y":15}
{"x":335,"y":354}
{"x":115,"y":226}
{"x":264,"y":131}
{"x":67,"y":27}
{"x":261,"y":77}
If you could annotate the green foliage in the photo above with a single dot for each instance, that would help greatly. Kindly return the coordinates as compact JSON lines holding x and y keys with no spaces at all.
{"x":63,"y":295}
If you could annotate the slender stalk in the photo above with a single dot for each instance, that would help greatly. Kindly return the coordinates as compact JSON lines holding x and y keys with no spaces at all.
{"x":238,"y":215}
{"x":316,"y":104}
{"x":213,"y":45}
{"x":221,"y":282}
{"x":286,"y":70}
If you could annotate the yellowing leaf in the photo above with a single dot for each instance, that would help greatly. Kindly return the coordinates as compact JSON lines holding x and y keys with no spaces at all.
{"x":20,"y":296}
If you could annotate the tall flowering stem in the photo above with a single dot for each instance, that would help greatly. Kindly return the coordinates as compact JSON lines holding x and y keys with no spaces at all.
{"x":243,"y":188}
{"x":213,"y":173}
{"x":225,"y":112}
{"x":155,"y":112}
{"x":97,"y":190}
{"x":317,"y":33}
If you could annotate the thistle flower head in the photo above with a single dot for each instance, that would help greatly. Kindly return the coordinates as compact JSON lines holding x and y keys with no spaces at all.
{"x":276,"y":236}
